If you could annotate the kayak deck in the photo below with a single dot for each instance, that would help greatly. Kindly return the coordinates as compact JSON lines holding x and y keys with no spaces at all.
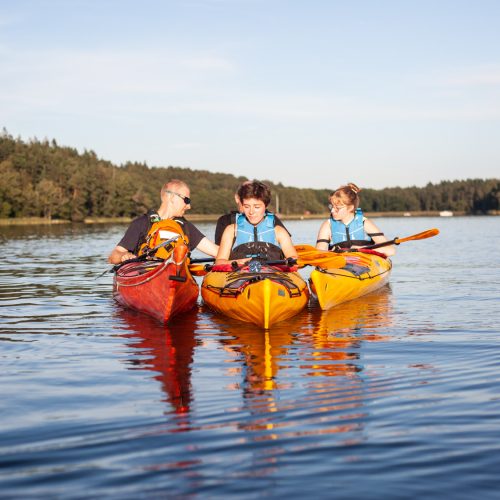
{"x":263,"y":298}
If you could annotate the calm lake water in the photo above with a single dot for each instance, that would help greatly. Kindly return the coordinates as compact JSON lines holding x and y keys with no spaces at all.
{"x":395,"y":395}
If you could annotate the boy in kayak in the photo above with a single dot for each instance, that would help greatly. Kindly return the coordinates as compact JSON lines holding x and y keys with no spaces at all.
{"x":224,"y":220}
{"x":254,"y":234}
{"x":174,"y":202}
{"x":348,"y":227}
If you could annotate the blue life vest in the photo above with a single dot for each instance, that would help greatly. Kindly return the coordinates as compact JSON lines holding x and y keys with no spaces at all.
{"x":255,"y":241}
{"x":248,"y":233}
{"x":351,"y":234}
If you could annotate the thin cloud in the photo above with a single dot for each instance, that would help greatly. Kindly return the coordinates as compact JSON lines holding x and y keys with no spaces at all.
{"x":86,"y":83}
{"x":108,"y":71}
{"x":153,"y":83}
{"x":297,"y":107}
{"x":473,"y":76}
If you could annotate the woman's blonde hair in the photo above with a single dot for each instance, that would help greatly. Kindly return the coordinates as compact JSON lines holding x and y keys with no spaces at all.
{"x":348,"y":194}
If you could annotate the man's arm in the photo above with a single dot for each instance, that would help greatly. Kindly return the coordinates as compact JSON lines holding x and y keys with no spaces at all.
{"x":208,"y":247}
{"x":119,"y":255}
{"x":134,"y":233}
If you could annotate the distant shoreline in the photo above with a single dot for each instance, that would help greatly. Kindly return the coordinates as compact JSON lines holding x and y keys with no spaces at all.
{"x":26,"y":221}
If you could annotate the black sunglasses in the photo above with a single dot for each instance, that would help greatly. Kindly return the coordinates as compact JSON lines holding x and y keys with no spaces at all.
{"x":185,"y":199}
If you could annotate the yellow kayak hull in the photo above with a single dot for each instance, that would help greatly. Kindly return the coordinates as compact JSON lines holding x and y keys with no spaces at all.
{"x":263,"y":299}
{"x":359,"y":277}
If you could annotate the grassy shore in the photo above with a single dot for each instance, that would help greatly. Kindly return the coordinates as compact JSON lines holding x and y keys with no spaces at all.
{"x":211,"y":218}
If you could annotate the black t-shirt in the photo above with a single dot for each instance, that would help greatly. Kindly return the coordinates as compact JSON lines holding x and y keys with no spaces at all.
{"x":225,"y":220}
{"x":136,"y":233}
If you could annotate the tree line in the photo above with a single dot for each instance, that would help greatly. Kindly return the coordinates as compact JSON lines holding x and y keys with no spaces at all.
{"x":39,"y":178}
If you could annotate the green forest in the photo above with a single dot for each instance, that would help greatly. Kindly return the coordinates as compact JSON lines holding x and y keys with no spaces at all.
{"x":39,"y":178}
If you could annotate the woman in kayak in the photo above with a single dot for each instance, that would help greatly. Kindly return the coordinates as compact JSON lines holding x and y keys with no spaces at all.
{"x":254,"y":234}
{"x":224,"y":220}
{"x":174,"y":202}
{"x":348,"y":227}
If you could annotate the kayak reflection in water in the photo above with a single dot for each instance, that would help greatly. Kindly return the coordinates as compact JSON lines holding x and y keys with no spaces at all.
{"x":168,"y":352}
{"x":327,"y":349}
{"x":347,"y":227}
{"x":340,"y":332}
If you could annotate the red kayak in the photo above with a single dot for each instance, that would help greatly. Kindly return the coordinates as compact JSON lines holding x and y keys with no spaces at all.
{"x":159,"y":288}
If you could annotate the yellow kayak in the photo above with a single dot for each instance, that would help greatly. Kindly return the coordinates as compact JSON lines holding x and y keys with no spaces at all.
{"x":263,"y":297}
{"x":363,"y":273}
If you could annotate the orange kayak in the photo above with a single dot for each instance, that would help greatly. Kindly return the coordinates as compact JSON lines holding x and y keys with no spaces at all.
{"x":160,"y":288}
{"x":272,"y":294}
{"x":363,"y":273}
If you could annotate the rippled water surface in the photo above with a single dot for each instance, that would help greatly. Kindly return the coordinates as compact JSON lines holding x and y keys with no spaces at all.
{"x":395,"y":395}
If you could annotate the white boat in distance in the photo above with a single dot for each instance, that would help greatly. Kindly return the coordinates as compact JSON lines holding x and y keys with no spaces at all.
{"x":446,"y":213}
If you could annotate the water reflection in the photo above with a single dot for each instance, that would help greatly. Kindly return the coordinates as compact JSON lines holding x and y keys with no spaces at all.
{"x":258,"y":354}
{"x":371,"y":312}
{"x":334,"y":335}
{"x":323,"y":397}
{"x":166,"y":350}
{"x":325,"y":347}
{"x":331,"y":357}
{"x":338,"y":333}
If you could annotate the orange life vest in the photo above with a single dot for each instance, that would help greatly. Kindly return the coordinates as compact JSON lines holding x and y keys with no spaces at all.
{"x":161,"y":232}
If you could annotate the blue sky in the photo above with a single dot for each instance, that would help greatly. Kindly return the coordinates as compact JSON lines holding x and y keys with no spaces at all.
{"x":310,"y":93}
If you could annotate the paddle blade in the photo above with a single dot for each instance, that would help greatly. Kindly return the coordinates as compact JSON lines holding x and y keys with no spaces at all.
{"x":324,"y":261}
{"x":305,"y":249}
{"x":310,"y":256}
{"x":197,"y":269}
{"x":419,"y":236}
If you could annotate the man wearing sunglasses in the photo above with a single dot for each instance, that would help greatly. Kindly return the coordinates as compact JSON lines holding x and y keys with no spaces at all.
{"x":174,"y":203}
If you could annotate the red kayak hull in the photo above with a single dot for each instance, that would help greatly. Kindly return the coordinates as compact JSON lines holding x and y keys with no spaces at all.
{"x":159,"y":289}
